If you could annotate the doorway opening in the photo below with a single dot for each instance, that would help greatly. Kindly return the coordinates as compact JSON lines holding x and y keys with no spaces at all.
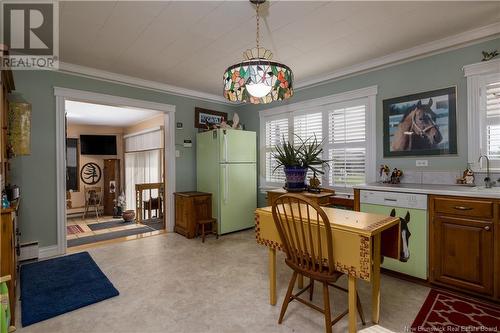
{"x":118,"y":173}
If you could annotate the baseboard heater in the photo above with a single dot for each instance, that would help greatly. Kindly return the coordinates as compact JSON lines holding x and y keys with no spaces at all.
{"x":28,"y":251}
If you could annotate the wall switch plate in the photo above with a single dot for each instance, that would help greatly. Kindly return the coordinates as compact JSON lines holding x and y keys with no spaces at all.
{"x":177,"y":153}
{"x":422,"y":163}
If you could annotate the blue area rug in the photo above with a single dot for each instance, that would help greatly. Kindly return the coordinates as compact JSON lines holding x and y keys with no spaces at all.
{"x":56,"y":286}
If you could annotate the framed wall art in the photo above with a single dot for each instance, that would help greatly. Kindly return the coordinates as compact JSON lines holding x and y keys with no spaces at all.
{"x":202,"y":117}
{"x":421,"y":124}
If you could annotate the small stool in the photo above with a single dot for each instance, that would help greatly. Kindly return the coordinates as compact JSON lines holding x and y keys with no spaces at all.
{"x":212,"y":222}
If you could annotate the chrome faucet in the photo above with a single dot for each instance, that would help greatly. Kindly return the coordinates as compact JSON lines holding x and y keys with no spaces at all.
{"x":487,"y":181}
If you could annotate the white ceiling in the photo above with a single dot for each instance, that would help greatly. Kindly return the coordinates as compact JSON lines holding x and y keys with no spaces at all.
{"x":189,"y":44}
{"x":82,"y":113}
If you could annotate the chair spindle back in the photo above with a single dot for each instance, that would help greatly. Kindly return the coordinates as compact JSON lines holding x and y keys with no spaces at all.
{"x":305,"y":232}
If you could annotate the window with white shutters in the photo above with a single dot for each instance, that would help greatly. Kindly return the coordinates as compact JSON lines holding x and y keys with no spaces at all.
{"x":492,"y":123}
{"x":276,"y":130}
{"x":347,"y":145}
{"x":483,"y":114}
{"x":345,"y":127}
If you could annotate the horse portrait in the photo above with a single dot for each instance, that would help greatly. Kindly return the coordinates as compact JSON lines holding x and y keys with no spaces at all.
{"x":421,"y":124}
{"x":417,"y":129}
{"x":404,"y":254}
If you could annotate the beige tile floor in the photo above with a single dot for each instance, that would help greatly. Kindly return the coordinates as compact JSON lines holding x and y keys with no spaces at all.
{"x":168,"y":283}
{"x":83,"y":223}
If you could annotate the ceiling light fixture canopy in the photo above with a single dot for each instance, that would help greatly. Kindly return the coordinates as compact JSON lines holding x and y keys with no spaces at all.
{"x":257,"y":79}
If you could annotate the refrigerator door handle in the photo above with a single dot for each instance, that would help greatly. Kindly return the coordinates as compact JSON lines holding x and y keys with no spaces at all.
{"x":224,"y":142}
{"x":226,"y":185}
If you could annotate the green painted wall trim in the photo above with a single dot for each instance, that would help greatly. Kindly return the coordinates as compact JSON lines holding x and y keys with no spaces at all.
{"x":430,"y":73}
{"x":36,"y":174}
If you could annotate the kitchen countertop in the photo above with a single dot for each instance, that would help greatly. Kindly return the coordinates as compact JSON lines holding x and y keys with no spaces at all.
{"x":457,"y":190}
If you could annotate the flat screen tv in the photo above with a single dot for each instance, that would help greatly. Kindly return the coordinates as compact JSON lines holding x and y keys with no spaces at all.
{"x":98,"y":144}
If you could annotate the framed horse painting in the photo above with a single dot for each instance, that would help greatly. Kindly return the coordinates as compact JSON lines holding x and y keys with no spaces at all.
{"x":421,"y":124}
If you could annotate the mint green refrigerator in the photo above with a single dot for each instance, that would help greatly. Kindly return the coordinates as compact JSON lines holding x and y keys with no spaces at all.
{"x":226,"y":167}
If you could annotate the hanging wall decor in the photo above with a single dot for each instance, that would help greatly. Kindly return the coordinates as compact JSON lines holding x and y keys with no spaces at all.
{"x":19,"y":129}
{"x":421,"y":124}
{"x":90,"y":173}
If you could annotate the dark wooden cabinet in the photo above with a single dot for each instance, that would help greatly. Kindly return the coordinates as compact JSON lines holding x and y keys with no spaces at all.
{"x":9,"y":233}
{"x":190,"y":207}
{"x":462,"y":243}
{"x":111,"y":184}
{"x":464,"y":253}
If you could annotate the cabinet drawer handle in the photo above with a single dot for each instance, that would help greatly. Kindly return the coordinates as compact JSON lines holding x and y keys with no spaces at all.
{"x":487,"y":228}
{"x":462,"y":208}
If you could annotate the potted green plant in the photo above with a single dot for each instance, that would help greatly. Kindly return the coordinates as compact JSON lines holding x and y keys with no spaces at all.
{"x":296,"y":160}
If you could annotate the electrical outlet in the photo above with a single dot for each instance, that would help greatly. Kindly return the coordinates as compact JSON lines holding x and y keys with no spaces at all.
{"x":422,"y":163}
{"x":177,"y":153}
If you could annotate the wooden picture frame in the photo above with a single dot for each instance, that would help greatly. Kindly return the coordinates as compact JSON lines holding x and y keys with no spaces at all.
{"x":201,"y":114}
{"x":432,"y":130}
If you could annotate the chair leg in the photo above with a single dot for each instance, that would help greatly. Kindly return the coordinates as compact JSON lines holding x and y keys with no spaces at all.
{"x":196,"y":230}
{"x":203,"y":233}
{"x":360,"y":310}
{"x":287,"y":297}
{"x":311,"y":289}
{"x":328,"y":314}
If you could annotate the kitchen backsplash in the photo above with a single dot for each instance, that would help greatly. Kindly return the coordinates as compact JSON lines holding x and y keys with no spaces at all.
{"x":441,"y":177}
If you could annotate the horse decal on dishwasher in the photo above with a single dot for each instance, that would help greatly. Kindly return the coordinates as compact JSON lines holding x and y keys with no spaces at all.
{"x":404,"y":254}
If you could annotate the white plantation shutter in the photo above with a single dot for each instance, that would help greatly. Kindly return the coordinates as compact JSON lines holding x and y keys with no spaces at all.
{"x":347,"y":145}
{"x":307,"y":126}
{"x":493,"y":120}
{"x":275,"y":131}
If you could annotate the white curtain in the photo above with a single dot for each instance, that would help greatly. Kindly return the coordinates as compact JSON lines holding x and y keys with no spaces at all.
{"x":142,"y":167}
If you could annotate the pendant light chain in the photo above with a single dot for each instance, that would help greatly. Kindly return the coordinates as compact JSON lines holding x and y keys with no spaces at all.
{"x":258,"y":26}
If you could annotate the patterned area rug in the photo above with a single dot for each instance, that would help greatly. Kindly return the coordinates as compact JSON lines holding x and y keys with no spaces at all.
{"x":74,"y":229}
{"x":445,"y":312}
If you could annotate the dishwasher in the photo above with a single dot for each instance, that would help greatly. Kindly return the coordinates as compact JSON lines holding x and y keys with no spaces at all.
{"x":412,"y":210}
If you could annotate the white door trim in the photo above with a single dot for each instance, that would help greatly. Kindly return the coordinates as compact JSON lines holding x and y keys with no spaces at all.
{"x":61,"y":95}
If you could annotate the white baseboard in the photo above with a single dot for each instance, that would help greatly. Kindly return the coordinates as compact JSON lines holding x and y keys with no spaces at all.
{"x":48,"y":251}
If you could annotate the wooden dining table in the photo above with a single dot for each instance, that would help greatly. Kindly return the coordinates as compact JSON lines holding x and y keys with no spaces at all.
{"x":359,"y":242}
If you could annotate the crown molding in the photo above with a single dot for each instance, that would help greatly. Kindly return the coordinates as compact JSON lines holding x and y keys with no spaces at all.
{"x":131,"y":81}
{"x":421,"y":51}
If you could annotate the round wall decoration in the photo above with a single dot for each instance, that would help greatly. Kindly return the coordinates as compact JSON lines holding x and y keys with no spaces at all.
{"x":90,"y":173}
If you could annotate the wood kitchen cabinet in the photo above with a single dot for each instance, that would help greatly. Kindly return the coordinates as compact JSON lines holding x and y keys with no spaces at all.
{"x":189,"y":208}
{"x":464,"y":244}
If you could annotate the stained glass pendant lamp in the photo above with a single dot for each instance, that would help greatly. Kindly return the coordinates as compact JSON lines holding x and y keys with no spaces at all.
{"x":257,"y":79}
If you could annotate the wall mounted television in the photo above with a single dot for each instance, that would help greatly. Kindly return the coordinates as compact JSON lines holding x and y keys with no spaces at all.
{"x":98,"y":144}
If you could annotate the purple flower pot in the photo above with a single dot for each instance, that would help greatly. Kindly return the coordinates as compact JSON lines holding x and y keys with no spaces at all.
{"x":295,"y":178}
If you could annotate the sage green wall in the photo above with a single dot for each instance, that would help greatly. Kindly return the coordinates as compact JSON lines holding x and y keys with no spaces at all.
{"x":433,"y":72}
{"x":36,"y":173}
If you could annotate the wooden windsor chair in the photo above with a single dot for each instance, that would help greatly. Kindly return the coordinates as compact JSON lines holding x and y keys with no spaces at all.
{"x":306,"y":236}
